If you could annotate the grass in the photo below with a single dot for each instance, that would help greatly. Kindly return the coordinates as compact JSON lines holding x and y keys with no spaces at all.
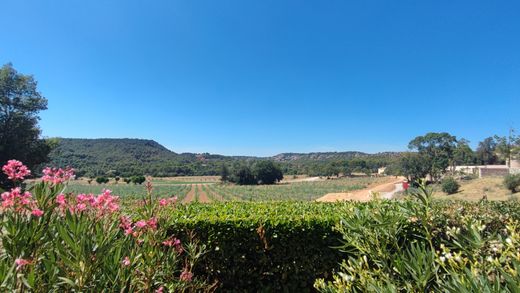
{"x":474,"y":190}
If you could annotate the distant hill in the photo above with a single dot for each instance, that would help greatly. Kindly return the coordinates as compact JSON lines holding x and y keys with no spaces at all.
{"x":127,"y":156}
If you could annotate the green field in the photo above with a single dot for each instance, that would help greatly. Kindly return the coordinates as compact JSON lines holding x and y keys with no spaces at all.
{"x":300,"y":191}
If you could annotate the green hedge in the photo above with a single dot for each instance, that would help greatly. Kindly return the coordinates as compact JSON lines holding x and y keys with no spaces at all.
{"x":279,"y":246}
{"x":286,"y":246}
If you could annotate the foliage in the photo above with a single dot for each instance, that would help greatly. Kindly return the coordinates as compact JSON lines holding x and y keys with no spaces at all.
{"x":20,"y":103}
{"x":224,"y":173}
{"x":102,"y":180}
{"x":486,"y":152}
{"x":419,"y":245}
{"x":52,"y":242}
{"x":265,"y":247}
{"x":267,"y":172}
{"x":412,"y":166}
{"x":138,"y":179}
{"x":437,"y":150}
{"x":449,"y":185}
{"x":512,"y":182}
{"x":243,"y":176}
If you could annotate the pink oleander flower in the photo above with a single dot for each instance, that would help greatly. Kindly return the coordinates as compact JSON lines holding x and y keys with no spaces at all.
{"x":16,"y":170}
{"x":172,"y":242}
{"x":37,"y":212}
{"x":160,"y":290}
{"x":15,"y":198}
{"x":152,"y":223}
{"x":61,"y":200}
{"x":163,"y":202}
{"x":56,"y":176}
{"x":81,"y":207}
{"x":126,"y":261}
{"x":20,"y":262}
{"x":186,"y":276}
{"x":140,"y":224}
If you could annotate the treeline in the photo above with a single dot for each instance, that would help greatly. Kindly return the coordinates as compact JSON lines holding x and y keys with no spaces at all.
{"x":435,"y":154}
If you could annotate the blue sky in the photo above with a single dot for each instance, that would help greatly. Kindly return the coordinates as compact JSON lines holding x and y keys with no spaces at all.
{"x":264,"y":77}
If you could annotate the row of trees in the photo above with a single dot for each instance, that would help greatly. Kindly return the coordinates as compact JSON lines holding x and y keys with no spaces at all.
{"x":262,"y":172}
{"x":434,"y":154}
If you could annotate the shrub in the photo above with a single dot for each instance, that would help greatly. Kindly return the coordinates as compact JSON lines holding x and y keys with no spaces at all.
{"x":52,"y":242}
{"x":265,"y":247}
{"x":512,"y":182}
{"x":102,"y":180}
{"x":449,"y":185}
{"x":127,"y":180}
{"x":138,"y":179}
{"x":424,"y":246}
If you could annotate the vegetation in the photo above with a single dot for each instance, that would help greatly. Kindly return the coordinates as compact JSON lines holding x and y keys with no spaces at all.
{"x":419,"y":245}
{"x":102,"y":180}
{"x":449,"y":185}
{"x":20,"y":103}
{"x":53,"y":242}
{"x":512,"y":182}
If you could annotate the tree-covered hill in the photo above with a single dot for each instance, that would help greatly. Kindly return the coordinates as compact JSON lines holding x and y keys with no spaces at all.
{"x":128,"y":157}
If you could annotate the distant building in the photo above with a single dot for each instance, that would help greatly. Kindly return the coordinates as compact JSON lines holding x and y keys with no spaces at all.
{"x":381,"y":171}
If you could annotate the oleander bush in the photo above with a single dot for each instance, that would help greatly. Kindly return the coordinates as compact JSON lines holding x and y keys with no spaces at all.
{"x":424,"y":246}
{"x":53,"y":241}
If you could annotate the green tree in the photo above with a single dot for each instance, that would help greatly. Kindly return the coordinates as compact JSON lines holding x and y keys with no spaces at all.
{"x":413,"y":166}
{"x":224,"y":173}
{"x":20,"y":103}
{"x":438,"y":151}
{"x":138,"y":179}
{"x":463,"y":154}
{"x":244,"y":176}
{"x":508,"y":148}
{"x":267,"y":172}
{"x":486,"y":152}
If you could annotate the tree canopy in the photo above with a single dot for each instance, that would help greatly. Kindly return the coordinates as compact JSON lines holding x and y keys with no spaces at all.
{"x":20,"y":104}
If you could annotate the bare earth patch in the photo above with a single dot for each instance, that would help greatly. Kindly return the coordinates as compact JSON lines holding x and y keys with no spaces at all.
{"x":203,"y":197}
{"x":190,"y":196}
{"x":362,"y":194}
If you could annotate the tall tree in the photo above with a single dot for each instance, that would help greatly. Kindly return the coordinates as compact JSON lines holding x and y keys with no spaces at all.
{"x":508,"y":147}
{"x":20,"y":103}
{"x":486,"y":152}
{"x":438,"y":150}
{"x":267,"y":172}
{"x":463,"y":154}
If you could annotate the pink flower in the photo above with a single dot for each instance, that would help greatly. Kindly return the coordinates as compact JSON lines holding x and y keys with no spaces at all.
{"x":15,"y":198}
{"x":60,"y":199}
{"x":15,"y":170}
{"x":152,"y":223}
{"x":186,"y":276}
{"x":20,"y":262}
{"x":140,"y":224}
{"x":172,"y":242}
{"x":163,"y":202}
{"x":160,"y":290}
{"x":81,"y":207}
{"x":37,"y":212}
{"x":126,"y":261}
{"x":56,"y":176}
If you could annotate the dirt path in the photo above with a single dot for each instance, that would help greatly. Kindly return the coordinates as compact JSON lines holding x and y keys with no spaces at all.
{"x":203,"y":197}
{"x":190,"y":196}
{"x":362,"y":194}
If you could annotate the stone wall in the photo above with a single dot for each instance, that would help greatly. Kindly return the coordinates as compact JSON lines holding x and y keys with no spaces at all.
{"x":493,"y":172}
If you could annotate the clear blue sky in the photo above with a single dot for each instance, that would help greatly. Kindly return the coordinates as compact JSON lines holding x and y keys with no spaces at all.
{"x":264,"y":77}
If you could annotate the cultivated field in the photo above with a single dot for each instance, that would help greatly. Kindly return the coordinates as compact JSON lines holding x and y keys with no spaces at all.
{"x":207,"y":189}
